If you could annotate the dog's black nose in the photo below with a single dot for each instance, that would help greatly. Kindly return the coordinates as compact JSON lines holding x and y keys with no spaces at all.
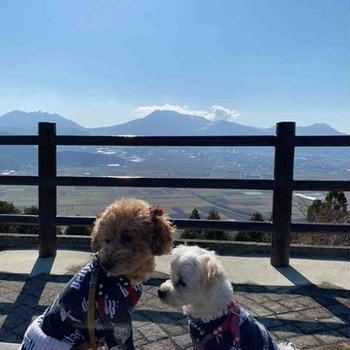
{"x":161,"y":294}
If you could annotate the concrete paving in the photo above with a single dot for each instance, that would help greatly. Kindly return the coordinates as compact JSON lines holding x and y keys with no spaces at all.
{"x":241,"y":270}
{"x":307,"y":303}
{"x":258,"y":271}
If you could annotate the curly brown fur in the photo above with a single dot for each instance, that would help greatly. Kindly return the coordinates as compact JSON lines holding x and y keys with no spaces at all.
{"x":127,"y":238}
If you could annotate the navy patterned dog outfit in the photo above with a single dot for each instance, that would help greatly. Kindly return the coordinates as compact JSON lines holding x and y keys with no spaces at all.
{"x":66,"y":319}
{"x":235,"y":330}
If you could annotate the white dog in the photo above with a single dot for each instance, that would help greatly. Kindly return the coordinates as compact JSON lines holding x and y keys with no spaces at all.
{"x":199,"y":284}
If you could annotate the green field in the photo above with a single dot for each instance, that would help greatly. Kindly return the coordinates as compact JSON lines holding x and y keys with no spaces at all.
{"x":178,"y":203}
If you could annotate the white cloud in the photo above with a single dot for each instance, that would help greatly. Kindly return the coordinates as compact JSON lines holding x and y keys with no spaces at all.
{"x":216,"y":112}
{"x":220,"y":112}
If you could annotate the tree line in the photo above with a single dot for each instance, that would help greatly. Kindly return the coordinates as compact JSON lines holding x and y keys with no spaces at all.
{"x":10,"y":208}
{"x":213,"y":214}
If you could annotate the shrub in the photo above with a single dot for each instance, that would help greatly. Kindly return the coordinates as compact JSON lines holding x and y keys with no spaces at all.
{"x":333,"y":209}
{"x":215,"y":234}
{"x":8,"y":208}
{"x":252,"y":236}
{"x":192,"y":233}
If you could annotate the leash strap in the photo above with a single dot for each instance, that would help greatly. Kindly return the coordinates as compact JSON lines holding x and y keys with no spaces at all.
{"x":91,"y":317}
{"x":91,"y":307}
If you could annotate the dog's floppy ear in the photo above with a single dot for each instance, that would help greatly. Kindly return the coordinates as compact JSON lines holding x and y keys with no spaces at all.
{"x":210,"y":267}
{"x":163,"y":231}
{"x":95,"y":244}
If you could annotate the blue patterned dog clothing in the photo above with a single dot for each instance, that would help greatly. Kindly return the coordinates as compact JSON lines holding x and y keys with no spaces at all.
{"x":64,"y":323}
{"x":235,"y":330}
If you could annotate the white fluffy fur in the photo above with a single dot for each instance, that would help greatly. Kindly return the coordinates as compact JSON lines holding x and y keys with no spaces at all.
{"x":41,"y":340}
{"x":207,"y":291}
{"x":199,"y":285}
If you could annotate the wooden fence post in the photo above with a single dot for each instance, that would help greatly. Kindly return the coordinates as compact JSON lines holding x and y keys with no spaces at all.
{"x":47,"y":189}
{"x":282,"y":194}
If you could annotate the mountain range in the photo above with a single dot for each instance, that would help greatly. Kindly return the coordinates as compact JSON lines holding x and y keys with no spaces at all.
{"x":161,"y":123}
{"x":252,"y":161}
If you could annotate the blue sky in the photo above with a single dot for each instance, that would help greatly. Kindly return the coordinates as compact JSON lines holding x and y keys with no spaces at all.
{"x":101,"y":62}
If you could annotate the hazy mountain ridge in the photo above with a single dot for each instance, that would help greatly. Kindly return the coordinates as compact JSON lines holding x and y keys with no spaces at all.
{"x":170,"y":123}
{"x":162,"y":123}
{"x":24,"y":123}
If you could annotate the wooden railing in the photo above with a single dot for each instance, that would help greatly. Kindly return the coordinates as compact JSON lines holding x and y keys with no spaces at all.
{"x":282,"y":184}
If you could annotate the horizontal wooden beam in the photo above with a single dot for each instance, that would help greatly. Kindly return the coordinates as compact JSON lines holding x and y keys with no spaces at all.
{"x":229,"y":225}
{"x":321,"y":185}
{"x":19,"y":219}
{"x":320,"y":228}
{"x":161,"y":182}
{"x":18,"y":140}
{"x":177,"y":141}
{"x":19,"y":180}
{"x":322,"y":141}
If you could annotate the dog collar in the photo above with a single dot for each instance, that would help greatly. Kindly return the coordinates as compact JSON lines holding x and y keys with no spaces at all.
{"x":127,"y":288}
{"x":230,"y":322}
{"x":212,"y":317}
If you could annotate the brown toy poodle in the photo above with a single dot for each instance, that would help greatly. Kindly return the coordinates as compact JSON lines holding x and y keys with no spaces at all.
{"x":125,"y":237}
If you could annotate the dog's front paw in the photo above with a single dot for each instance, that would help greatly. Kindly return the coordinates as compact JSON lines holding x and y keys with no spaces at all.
{"x":287,"y":346}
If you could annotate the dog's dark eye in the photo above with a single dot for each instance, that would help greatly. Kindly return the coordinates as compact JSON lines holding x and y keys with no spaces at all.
{"x":126,"y":239}
{"x":181,"y":283}
{"x":107,"y":240}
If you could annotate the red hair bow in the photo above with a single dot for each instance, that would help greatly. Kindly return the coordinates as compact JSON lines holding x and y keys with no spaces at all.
{"x":157,"y":211}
